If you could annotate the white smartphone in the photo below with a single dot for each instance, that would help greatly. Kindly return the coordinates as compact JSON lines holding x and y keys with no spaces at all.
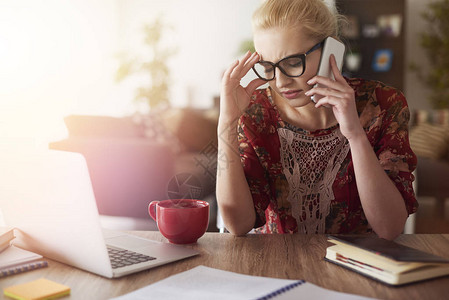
{"x":331,"y":46}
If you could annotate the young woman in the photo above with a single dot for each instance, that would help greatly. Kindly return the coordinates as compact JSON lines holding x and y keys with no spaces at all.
{"x":340,"y":165}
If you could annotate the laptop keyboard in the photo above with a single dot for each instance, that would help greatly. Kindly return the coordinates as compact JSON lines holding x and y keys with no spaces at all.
{"x":121,"y":257}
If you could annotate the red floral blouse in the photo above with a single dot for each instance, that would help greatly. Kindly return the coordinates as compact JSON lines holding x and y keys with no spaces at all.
{"x":384,"y":115}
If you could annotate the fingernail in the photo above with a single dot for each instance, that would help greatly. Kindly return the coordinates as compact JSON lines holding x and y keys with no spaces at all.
{"x":307,"y":93}
{"x":310,"y":81}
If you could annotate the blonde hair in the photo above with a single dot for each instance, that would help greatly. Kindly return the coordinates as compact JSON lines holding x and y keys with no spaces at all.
{"x":316,"y":18}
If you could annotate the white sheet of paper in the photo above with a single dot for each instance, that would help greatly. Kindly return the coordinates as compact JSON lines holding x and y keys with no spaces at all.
{"x":208,"y":283}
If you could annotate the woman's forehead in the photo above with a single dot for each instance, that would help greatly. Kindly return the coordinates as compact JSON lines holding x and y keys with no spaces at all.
{"x":274,"y":44}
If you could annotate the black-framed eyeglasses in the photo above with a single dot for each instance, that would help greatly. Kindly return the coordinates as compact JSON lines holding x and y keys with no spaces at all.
{"x":292,"y":66}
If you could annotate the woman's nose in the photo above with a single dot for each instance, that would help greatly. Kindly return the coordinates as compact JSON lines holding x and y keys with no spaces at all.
{"x":281,"y":79}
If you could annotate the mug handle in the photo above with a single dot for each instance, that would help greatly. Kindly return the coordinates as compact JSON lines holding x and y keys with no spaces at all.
{"x":152,"y":209}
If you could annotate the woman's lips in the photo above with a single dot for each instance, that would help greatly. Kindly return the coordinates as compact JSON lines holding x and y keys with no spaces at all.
{"x":291,"y":94}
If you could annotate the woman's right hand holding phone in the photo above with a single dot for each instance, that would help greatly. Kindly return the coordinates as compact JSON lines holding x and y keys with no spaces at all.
{"x":235,"y":98}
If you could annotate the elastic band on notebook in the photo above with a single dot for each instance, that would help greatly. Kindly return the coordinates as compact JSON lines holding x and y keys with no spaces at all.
{"x":282,"y":290}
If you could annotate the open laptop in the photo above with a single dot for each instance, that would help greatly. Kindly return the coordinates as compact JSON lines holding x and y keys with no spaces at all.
{"x":48,"y":197}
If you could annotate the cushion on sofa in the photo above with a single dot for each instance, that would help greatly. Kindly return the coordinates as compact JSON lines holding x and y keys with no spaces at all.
{"x":195,"y":129}
{"x":429,"y":140}
{"x":103,"y":126}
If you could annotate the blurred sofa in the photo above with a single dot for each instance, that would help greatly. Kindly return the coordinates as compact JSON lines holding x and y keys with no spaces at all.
{"x":136,"y":159}
{"x":429,"y":139}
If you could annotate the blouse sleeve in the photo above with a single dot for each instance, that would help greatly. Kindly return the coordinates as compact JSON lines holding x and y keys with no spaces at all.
{"x":393,"y":148}
{"x":254,"y":171}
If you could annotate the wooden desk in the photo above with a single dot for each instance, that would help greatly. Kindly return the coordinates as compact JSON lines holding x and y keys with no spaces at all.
{"x":280,"y":256}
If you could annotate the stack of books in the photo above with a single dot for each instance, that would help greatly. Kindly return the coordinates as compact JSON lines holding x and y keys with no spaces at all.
{"x":15,"y":260}
{"x":385,"y":261}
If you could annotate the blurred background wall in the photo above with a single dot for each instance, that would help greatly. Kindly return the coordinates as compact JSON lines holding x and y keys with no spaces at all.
{"x":60,"y":57}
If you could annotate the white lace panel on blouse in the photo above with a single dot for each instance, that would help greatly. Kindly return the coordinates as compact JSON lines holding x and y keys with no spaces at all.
{"x":310,"y":165}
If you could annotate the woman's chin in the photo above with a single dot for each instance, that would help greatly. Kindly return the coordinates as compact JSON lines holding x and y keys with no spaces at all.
{"x":299,"y":102}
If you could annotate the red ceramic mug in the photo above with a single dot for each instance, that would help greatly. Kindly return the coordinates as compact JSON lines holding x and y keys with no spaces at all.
{"x":181,"y":221}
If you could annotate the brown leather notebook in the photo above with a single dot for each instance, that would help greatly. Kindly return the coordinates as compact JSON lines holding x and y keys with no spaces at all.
{"x":384,"y":260}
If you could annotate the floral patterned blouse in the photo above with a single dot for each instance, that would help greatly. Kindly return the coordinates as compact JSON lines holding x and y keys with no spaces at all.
{"x":278,"y":158}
